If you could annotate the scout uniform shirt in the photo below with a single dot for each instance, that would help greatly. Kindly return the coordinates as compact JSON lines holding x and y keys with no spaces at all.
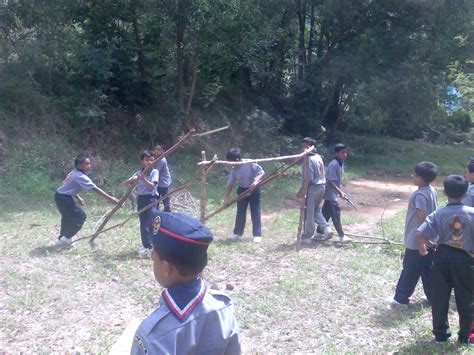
{"x":334,"y":174}
{"x":74,"y":182}
{"x":425,"y":198}
{"x":164,"y":172}
{"x":143,"y":189}
{"x":469,"y":199}
{"x":316,"y":170}
{"x":453,"y":225}
{"x":189,"y":320}
{"x":244,"y":174}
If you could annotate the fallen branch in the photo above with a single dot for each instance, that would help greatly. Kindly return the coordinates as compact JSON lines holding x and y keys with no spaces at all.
{"x":199,"y":135}
{"x":246,"y":161}
{"x":134,"y":183}
{"x":201,"y":170}
{"x":372,"y":240}
{"x":303,"y":203}
{"x":246,"y":193}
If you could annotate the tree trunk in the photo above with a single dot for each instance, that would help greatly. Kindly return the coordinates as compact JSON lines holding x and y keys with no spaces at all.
{"x":180,"y":28}
{"x":301,"y":43}
{"x":311,"y":36}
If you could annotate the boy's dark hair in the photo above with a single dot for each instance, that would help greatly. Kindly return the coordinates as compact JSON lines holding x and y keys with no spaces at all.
{"x":470,"y":166}
{"x":309,"y":141}
{"x":79,"y":160}
{"x":161,"y":145}
{"x":233,"y":154}
{"x":185,"y":266}
{"x":146,"y":154}
{"x":426,"y":170}
{"x":455,"y":186}
{"x":339,"y":146}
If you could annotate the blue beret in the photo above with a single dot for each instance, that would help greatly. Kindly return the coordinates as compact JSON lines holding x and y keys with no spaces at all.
{"x":179,"y":235}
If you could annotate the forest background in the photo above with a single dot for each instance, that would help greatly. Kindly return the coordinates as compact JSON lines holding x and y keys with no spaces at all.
{"x":394,"y":79}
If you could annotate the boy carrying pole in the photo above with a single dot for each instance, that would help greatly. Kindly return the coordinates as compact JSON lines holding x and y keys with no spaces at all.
{"x":247,"y":176}
{"x":72,"y":215}
{"x":314,"y":196}
{"x":331,"y":209}
{"x":451,"y":231}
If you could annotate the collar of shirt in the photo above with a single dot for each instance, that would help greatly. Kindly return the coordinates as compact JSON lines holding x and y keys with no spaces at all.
{"x":182,"y":299}
{"x":455,"y":204}
{"x":80,"y":170}
{"x":340,"y":161}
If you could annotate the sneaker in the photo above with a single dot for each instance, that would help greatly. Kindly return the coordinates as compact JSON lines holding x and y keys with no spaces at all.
{"x":344,"y":239}
{"x":143,"y":252}
{"x":306,"y":241}
{"x":327,"y":234}
{"x":64,"y":241}
{"x":234,"y":236}
{"x":395,"y":304}
{"x":257,"y":239}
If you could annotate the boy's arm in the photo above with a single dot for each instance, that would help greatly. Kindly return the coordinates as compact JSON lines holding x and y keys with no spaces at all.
{"x":228,"y":190}
{"x":105,"y":195}
{"x":422,"y":241}
{"x":150,"y":185}
{"x":337,"y":188}
{"x":80,"y":199}
{"x":130,"y":180}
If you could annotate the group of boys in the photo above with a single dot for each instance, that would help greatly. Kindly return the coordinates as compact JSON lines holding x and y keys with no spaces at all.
{"x":195,"y":319}
{"x":321,"y":186}
{"x":439,"y":249}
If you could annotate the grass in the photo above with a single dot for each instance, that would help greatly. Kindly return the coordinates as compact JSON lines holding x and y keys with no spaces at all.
{"x":322,"y":299}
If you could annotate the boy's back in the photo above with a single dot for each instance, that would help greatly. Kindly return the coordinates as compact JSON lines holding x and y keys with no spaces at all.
{"x":208,"y":328}
{"x":453,"y":225}
{"x":425,"y":198}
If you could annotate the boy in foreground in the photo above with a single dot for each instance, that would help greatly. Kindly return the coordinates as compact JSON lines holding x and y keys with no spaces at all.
{"x":422,"y":202}
{"x":452,"y":229}
{"x":190,"y":318}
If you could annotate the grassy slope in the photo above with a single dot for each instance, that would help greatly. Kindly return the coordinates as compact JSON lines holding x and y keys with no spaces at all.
{"x":323,"y":298}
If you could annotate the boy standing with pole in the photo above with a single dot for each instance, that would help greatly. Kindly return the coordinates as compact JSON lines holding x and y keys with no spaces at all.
{"x":331,"y":209}
{"x":314,"y":196}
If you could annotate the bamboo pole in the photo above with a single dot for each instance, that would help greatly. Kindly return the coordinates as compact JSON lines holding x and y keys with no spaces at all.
{"x":246,"y":161}
{"x":202,"y":201}
{"x":303,"y":203}
{"x":132,"y":186}
{"x":246,"y":193}
{"x":201,"y":170}
{"x":199,"y":135}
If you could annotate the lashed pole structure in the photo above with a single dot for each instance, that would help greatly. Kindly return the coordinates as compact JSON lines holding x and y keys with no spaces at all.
{"x":297,"y":158}
{"x":180,"y":143}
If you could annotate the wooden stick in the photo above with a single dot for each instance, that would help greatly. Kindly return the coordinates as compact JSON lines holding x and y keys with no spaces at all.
{"x":202,"y":199}
{"x":246,"y":193}
{"x":246,"y":161}
{"x":200,"y":171}
{"x":303,"y":203}
{"x":382,"y":240}
{"x":132,"y":186}
{"x":198,"y":135}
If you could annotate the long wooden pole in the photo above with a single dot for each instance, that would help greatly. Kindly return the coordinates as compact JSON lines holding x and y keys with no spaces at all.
{"x":201,"y":170}
{"x":132,"y":186}
{"x":303,"y":203}
{"x":202,"y":204}
{"x":246,"y":161}
{"x":246,"y":193}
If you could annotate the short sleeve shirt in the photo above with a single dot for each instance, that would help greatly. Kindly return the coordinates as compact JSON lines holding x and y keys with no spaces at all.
{"x":425,"y":198}
{"x":75,"y":181}
{"x":143,"y":189}
{"x":316,"y":173}
{"x":452,"y":225}
{"x":334,"y":174}
{"x":469,"y":199}
{"x":244,"y":174}
{"x":164,"y":173}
